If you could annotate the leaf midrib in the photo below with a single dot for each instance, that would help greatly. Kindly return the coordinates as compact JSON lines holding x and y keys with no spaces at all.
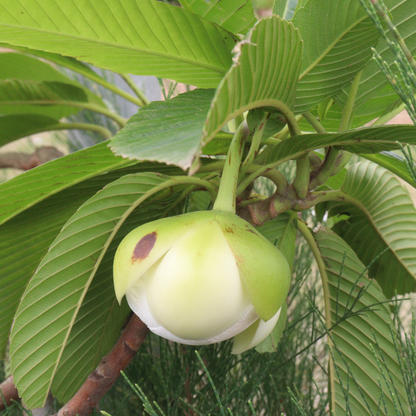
{"x":196,"y":63}
{"x":329,"y":48}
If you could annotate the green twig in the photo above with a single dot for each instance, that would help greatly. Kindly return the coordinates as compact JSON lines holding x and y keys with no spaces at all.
{"x":227,"y":191}
{"x":291,"y":127}
{"x":349,"y":105}
{"x":140,"y":94}
{"x":303,"y":172}
{"x":121,"y":121}
{"x":255,"y":143}
{"x":81,"y":126}
{"x":313,"y":121}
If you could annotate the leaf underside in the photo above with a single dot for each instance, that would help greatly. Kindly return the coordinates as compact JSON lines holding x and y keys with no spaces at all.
{"x":236,"y":16}
{"x":338,"y":38}
{"x":357,"y":373}
{"x":55,"y":294}
{"x":100,"y":318}
{"x":142,"y":37}
{"x":28,"y":236}
{"x":387,"y":221}
{"x":166,"y":131}
{"x":26,"y":68}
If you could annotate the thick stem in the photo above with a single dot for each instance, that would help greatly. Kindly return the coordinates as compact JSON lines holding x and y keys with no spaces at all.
{"x":303,"y":172}
{"x":9,"y":392}
{"x":325,"y":170}
{"x":140,"y":94}
{"x":227,"y":191}
{"x":292,"y":128}
{"x":278,"y":179}
{"x":107,"y":372}
{"x":308,"y":236}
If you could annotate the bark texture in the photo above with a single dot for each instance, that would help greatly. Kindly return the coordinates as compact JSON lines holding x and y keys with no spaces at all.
{"x":9,"y":392}
{"x":107,"y":372}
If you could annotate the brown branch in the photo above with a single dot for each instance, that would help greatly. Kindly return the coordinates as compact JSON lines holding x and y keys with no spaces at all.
{"x":9,"y":392}
{"x":26,"y":161}
{"x":107,"y":372}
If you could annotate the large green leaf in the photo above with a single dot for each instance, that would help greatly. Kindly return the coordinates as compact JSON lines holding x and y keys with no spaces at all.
{"x":371,"y":140}
{"x":166,"y":131}
{"x":285,"y":8}
{"x":337,"y":38}
{"x":23,"y":242}
{"x":55,"y":294}
{"x":264,"y":73}
{"x":37,"y":184}
{"x":143,"y":37}
{"x":26,"y":68}
{"x":357,"y":311}
{"x":65,"y":61}
{"x":236,"y":16}
{"x":373,"y":83}
{"x":383,"y":217}
{"x":32,"y":97}
{"x":16,"y":126}
{"x":72,"y":64}
{"x":29,"y":234}
{"x":98,"y":322}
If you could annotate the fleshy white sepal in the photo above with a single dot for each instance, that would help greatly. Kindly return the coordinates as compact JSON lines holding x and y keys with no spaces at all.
{"x":254,"y":334}
{"x":201,"y":278}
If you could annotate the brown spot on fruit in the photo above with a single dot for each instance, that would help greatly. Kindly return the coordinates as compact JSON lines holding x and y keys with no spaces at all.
{"x":144,"y":246}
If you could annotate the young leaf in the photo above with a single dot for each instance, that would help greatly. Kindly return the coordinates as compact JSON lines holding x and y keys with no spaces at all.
{"x":55,"y":294}
{"x":383,"y":217}
{"x":337,"y":38}
{"x":143,"y":37}
{"x":358,"y":310}
{"x":236,"y":16}
{"x":166,"y":131}
{"x":264,"y":73}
